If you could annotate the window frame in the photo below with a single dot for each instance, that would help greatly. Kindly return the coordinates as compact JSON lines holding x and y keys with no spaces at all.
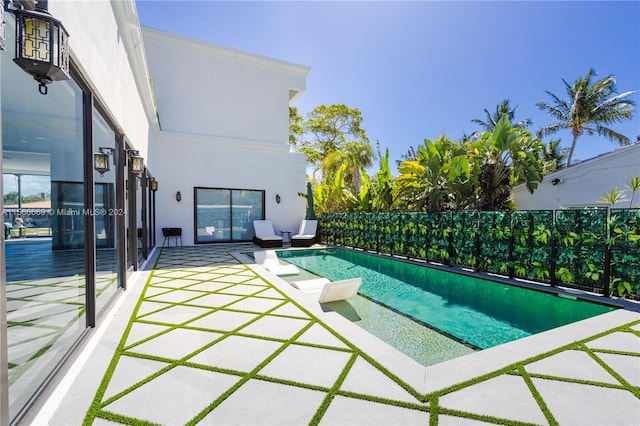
{"x":262,"y":193}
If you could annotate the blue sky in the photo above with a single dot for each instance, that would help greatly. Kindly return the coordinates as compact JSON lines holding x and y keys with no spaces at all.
{"x":420,"y":68}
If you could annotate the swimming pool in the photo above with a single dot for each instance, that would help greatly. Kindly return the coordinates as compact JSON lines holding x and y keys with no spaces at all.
{"x":478,"y":312}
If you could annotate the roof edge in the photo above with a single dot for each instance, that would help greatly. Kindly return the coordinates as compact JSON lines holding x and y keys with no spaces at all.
{"x":224,"y":51}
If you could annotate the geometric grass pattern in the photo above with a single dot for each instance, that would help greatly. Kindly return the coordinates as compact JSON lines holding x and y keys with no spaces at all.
{"x":46,"y":310}
{"x":211,"y":342}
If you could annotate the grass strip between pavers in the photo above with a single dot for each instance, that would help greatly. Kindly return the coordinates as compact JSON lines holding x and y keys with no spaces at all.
{"x":428,"y":402}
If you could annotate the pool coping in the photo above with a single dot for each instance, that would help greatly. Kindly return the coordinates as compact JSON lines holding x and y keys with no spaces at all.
{"x":461,"y":369}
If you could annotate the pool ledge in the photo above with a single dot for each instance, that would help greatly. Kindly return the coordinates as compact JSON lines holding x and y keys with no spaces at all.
{"x":405,"y":368}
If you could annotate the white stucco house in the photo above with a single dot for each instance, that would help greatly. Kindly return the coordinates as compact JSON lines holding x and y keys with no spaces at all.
{"x":223,"y":123}
{"x":583,"y":184}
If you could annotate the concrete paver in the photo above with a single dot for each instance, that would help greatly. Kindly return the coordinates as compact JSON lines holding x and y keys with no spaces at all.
{"x":248,"y":349}
{"x":578,"y":404}
{"x":503,"y":397}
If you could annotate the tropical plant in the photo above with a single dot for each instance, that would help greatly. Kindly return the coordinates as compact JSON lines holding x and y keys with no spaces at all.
{"x":332,"y":134}
{"x":492,"y":118}
{"x":296,"y":129}
{"x":633,"y":186}
{"x":591,"y":107}
{"x":382,"y":186}
{"x":426,"y":183}
{"x":328,"y":195}
{"x":613,"y":196}
{"x":411,"y":154}
{"x":356,"y":156}
{"x":555,"y":158}
{"x":507,"y":156}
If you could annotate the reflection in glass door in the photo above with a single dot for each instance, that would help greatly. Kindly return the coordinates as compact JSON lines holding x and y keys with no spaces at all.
{"x":226,"y":214}
{"x":43,"y":137}
{"x":105,"y":214}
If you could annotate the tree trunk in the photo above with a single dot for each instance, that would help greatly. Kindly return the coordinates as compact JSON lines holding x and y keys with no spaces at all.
{"x":573,"y":147}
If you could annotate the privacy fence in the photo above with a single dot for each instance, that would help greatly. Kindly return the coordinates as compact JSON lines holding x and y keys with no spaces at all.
{"x":591,"y":249}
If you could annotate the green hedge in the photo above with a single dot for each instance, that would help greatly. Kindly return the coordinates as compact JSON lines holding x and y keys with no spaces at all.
{"x":592,"y":249}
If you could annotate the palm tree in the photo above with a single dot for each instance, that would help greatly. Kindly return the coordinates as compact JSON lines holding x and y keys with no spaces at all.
{"x":492,"y":118}
{"x":356,"y":155}
{"x":507,"y":156}
{"x":591,"y":108}
{"x":554,"y":157}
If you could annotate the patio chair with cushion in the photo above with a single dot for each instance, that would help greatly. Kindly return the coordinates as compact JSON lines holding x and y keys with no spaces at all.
{"x":306,"y":235}
{"x":268,"y":259}
{"x":329,"y":291}
{"x":264,"y":234}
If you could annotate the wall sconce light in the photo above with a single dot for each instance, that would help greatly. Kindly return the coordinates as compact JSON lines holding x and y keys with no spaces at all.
{"x":153,"y":184}
{"x":278,"y":199}
{"x":42,"y":48}
{"x":101,"y":159}
{"x":556,"y":181}
{"x":137,"y":162}
{"x":178,"y":196}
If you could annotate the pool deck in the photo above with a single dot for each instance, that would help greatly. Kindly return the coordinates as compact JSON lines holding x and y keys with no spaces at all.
{"x":202,"y":338}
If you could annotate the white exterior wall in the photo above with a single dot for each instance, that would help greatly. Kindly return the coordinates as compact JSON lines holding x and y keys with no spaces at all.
{"x":224,"y":117}
{"x":187,"y":164}
{"x":584,"y":184}
{"x":223,"y":93}
{"x":101,"y":40}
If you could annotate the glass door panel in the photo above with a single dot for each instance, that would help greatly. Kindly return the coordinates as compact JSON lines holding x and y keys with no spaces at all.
{"x":105,"y":213}
{"x":246,"y":206}
{"x":42,"y":137}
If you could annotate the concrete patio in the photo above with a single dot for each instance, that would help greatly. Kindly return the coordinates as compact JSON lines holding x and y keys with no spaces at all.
{"x":202,"y":338}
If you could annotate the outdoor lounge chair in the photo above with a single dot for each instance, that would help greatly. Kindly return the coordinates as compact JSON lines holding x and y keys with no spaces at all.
{"x":264,"y":234}
{"x":306,"y":235}
{"x":329,"y":291}
{"x":268,"y":259}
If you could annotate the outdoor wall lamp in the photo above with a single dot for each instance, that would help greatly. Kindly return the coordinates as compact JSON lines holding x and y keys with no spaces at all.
{"x":153,"y":184}
{"x":42,"y":48}
{"x":178,"y":196}
{"x":137,"y":162}
{"x":556,"y":181}
{"x":278,"y":199}
{"x":101,"y":159}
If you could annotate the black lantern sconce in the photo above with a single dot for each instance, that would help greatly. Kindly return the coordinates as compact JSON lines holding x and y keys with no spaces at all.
{"x":42,"y":48}
{"x":153,"y":184}
{"x":278,"y":199}
{"x":556,"y":181}
{"x":178,"y":196}
{"x":137,"y":162}
{"x":101,"y":159}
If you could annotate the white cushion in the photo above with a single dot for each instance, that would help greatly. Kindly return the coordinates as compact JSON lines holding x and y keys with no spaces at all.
{"x":307,"y":229}
{"x":264,"y":230}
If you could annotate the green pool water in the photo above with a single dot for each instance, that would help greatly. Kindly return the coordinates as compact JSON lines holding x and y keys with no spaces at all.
{"x":477,"y":312}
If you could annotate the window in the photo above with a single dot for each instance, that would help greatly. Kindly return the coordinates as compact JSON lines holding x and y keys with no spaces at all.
{"x":226,"y":215}
{"x":45,"y":262}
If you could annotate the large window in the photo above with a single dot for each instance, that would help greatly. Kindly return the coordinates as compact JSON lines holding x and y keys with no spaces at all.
{"x":226,"y":215}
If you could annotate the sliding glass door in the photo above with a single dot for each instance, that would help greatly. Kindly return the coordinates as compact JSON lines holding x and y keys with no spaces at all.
{"x":226,"y":215}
